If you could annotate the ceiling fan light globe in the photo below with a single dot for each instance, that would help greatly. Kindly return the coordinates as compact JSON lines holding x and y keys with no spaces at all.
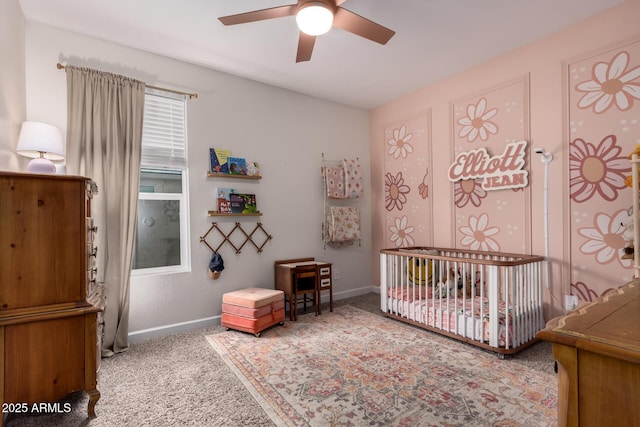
{"x":314,"y":19}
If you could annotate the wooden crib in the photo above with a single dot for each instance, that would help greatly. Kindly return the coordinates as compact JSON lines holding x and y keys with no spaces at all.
{"x":489,"y":299}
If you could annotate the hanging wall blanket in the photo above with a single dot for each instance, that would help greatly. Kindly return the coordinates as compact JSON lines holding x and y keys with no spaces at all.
{"x":344,"y":180}
{"x":352,"y":178}
{"x":343,"y":225}
{"x":334,"y":178}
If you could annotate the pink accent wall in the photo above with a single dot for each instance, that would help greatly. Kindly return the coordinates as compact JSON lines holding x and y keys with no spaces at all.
{"x":576,"y":94}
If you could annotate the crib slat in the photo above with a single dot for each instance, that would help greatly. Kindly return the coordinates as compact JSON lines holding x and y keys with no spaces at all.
{"x":383,"y":282}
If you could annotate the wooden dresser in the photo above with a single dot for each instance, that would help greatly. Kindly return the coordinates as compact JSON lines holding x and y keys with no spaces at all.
{"x":49,"y":343}
{"x":598,"y":352}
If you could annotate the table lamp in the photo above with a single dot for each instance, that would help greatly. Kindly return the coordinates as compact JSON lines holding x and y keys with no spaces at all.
{"x":42,"y":142}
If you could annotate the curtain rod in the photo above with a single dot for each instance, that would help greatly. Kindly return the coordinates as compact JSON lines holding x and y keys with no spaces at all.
{"x":190,"y":95}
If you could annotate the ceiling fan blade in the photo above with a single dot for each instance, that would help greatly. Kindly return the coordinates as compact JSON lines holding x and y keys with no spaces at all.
{"x":363,"y":27}
{"x":260,"y":15}
{"x":305,"y":47}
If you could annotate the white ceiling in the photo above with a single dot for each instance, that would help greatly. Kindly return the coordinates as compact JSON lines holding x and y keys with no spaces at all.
{"x":434,"y":38}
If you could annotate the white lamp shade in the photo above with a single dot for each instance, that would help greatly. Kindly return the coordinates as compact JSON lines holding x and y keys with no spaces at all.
{"x":314,"y":18}
{"x":40,"y":140}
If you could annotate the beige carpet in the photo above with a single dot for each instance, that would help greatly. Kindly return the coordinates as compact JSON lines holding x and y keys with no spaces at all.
{"x":180,"y":381}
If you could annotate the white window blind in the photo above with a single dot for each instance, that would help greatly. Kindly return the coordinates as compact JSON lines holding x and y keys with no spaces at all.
{"x":164,"y":130}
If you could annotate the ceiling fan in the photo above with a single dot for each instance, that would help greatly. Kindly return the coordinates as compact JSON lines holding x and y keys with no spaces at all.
{"x":314,"y":18}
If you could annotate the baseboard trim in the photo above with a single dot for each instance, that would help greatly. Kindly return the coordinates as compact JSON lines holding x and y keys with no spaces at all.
{"x":175,"y":328}
{"x":161,"y":331}
{"x":351,"y":293}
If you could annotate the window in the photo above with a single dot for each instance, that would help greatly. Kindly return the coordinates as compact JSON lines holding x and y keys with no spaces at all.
{"x":162,"y":237}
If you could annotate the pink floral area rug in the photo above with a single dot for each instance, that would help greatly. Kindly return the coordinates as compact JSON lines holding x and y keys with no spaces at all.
{"x":354,"y":368}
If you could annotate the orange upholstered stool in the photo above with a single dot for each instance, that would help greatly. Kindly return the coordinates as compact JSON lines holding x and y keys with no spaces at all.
{"x":252,"y":310}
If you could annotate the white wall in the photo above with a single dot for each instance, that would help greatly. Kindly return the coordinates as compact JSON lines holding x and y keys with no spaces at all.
{"x":12,"y":81}
{"x":284,"y":131}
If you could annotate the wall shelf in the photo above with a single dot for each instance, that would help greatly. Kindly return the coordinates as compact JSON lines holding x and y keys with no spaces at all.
{"x":214,"y":213}
{"x":226,"y":175}
{"x":236,"y":237}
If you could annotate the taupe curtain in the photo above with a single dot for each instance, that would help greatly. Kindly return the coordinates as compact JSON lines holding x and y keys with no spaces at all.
{"x":104,"y":137}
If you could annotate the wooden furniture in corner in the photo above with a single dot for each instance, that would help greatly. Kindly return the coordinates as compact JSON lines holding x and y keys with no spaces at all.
{"x":325,"y":284}
{"x":303,"y":276}
{"x":49,"y":342}
{"x":598,"y":352}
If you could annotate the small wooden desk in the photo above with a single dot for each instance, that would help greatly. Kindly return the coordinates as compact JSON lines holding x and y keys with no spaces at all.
{"x":598,"y":352}
{"x":285,"y":273}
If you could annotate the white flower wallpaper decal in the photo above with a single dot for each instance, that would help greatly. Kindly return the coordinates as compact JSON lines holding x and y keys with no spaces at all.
{"x":611,"y":84}
{"x":478,"y":234}
{"x":399,"y":145}
{"x":476,"y":123}
{"x":401,"y":233}
{"x":605,"y":238}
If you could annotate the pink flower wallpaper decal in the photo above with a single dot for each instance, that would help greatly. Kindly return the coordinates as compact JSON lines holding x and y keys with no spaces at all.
{"x":476,"y":123}
{"x":423,"y":187}
{"x":477,"y":234}
{"x":406,"y":181}
{"x":495,"y":120}
{"x":596,"y":170}
{"x":401,"y":232}
{"x":399,"y":145}
{"x":604,"y":239}
{"x":468,"y":191}
{"x":611,"y":84}
{"x":584,"y":293}
{"x":603,"y":110}
{"x":395,"y":191}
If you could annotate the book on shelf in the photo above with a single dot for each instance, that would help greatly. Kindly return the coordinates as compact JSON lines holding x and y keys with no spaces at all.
{"x":253,"y":168}
{"x":223,"y":199}
{"x":243,"y":203}
{"x":237,"y":166}
{"x":218,"y":160}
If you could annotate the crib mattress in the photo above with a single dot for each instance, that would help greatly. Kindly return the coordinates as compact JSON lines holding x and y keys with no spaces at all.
{"x":462,"y":318}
